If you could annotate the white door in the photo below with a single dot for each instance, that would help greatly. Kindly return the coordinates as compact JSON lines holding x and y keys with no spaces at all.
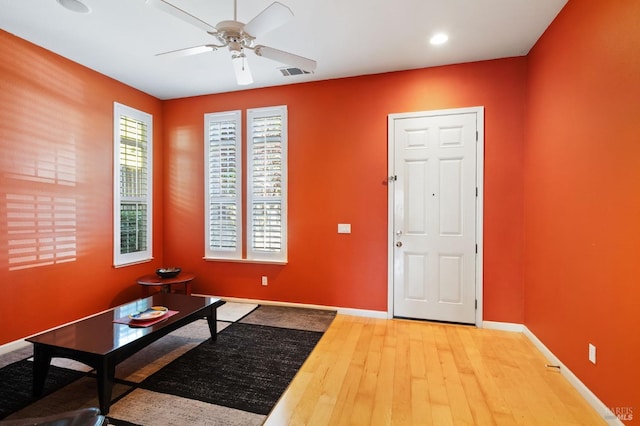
{"x":433,"y":206}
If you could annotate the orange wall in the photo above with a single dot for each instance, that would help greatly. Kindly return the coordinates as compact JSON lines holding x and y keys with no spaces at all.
{"x":55,"y":112}
{"x":338,"y":164}
{"x":582,"y":195}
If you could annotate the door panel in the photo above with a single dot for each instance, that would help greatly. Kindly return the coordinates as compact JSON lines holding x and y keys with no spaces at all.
{"x":451,"y":191}
{"x":450,"y":279}
{"x":416,"y":273}
{"x":416,"y":198}
{"x":434,"y":216}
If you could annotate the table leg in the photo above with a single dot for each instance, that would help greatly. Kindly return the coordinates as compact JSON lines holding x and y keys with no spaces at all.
{"x":105,"y":373}
{"x":212,"y":320}
{"x":41,"y":361}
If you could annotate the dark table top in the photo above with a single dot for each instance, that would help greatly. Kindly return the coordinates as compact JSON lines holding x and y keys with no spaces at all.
{"x":98,"y":334}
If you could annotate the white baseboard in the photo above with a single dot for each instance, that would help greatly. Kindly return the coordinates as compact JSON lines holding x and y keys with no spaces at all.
{"x":504,"y":326}
{"x":344,"y":311}
{"x":582,"y":389}
{"x":586,"y":393}
{"x":363,"y":313}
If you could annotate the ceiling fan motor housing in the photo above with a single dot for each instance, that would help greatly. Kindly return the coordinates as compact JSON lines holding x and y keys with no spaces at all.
{"x":231,"y":33}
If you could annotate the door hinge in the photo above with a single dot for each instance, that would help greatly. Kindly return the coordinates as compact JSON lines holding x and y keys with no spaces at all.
{"x":476,"y":191}
{"x":476,"y":249}
{"x":476,"y":304}
{"x":477,"y":136}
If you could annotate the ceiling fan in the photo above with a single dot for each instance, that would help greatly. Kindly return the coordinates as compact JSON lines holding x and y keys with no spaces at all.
{"x":239,"y":37}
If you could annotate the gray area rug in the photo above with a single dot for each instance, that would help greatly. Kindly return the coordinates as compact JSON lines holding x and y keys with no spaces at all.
{"x":144,"y":407}
{"x":133,"y":404}
{"x":295,"y":318}
{"x":233,"y":311}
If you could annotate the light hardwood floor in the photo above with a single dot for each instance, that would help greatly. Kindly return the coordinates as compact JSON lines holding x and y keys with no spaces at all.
{"x":397,"y":372}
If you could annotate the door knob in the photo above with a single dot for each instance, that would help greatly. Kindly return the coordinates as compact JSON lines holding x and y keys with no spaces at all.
{"x":399,"y":244}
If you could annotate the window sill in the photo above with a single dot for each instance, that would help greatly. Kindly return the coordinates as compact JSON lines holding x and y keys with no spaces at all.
{"x":260,"y":261}
{"x":135,"y":262}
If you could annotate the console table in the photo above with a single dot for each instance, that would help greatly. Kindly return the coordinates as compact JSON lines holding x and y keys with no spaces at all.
{"x":153,"y":280}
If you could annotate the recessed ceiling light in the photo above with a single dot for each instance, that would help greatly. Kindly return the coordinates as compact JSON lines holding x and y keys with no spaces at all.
{"x":74,"y":6}
{"x":439,"y":38}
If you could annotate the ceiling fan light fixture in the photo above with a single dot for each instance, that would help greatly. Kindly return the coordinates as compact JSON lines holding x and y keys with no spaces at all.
{"x":74,"y":6}
{"x":241,"y":68}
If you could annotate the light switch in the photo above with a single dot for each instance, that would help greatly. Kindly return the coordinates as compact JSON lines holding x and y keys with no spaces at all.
{"x":592,"y":353}
{"x":344,"y":228}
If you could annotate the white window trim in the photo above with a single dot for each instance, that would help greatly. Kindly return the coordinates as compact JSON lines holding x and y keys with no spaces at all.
{"x":263,"y":256}
{"x":120,"y":259}
{"x":211,"y":253}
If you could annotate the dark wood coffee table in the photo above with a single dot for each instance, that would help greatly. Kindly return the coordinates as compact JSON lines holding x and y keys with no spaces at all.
{"x":101,"y":343}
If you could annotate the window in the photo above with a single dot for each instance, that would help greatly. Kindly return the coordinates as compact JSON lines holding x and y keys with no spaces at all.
{"x":265,"y":194}
{"x":132,"y":185}
{"x":266,"y":176}
{"x":223,"y":202}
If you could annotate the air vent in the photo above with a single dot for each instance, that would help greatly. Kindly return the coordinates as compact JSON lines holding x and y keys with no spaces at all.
{"x":288,"y":71}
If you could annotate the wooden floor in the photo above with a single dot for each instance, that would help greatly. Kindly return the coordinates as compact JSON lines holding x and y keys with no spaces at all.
{"x":397,"y":372}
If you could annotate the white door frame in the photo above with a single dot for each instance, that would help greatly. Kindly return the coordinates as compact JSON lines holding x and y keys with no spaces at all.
{"x":479,"y":111}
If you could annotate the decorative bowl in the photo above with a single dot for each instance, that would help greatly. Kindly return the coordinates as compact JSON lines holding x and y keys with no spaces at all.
{"x":168,"y":272}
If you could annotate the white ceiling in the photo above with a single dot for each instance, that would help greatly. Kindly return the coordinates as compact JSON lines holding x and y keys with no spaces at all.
{"x":120,"y":38}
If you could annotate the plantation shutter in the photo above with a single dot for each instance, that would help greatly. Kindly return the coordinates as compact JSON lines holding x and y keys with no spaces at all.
{"x":132,"y":185}
{"x":223,"y":186}
{"x":266,"y":193}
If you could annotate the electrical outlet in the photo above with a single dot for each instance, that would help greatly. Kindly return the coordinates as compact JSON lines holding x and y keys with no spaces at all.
{"x":265,"y":280}
{"x":592,"y":353}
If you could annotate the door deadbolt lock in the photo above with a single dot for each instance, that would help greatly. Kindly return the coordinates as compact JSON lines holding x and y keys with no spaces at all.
{"x":399,"y":244}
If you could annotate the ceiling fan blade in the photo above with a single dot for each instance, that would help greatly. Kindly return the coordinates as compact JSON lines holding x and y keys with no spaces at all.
{"x":269,"y":19}
{"x":196,"y":50}
{"x":286,"y":58}
{"x":241,"y":68}
{"x":181,"y":14}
